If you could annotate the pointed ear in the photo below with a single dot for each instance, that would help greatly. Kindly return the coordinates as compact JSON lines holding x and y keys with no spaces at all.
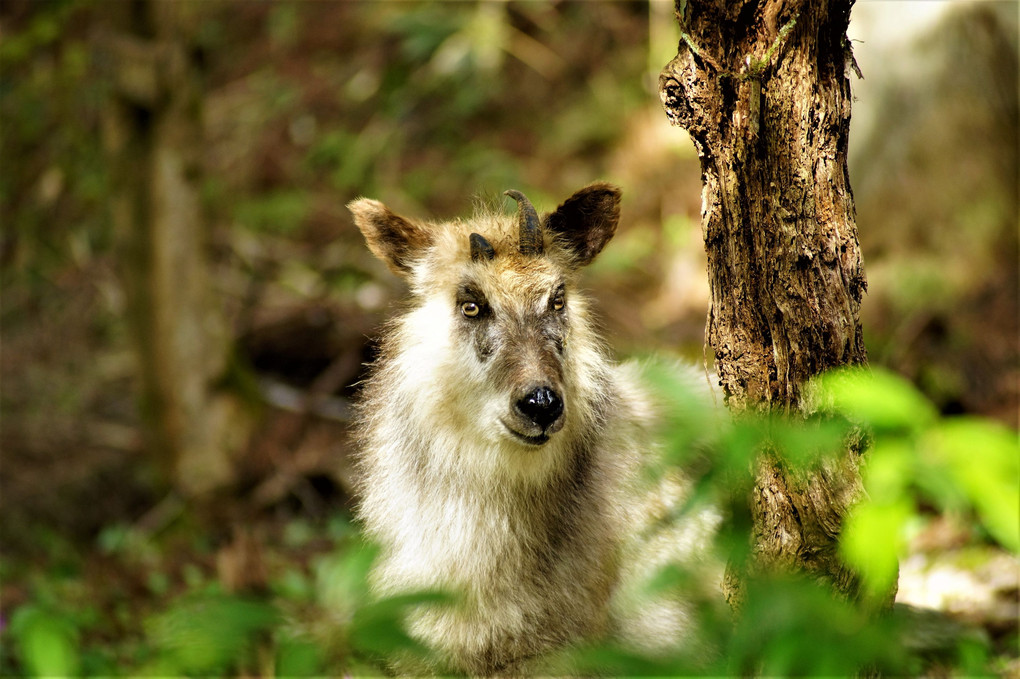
{"x":391,"y":238}
{"x":586,"y":221}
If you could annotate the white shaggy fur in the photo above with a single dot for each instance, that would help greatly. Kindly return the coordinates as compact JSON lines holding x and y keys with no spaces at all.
{"x":532,"y":537}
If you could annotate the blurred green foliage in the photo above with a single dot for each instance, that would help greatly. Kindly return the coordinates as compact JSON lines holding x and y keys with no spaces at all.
{"x":324,"y":620}
{"x":47,"y":640}
{"x":959,"y":464}
{"x":206,"y":634}
{"x":201,"y":630}
{"x":53,"y":189}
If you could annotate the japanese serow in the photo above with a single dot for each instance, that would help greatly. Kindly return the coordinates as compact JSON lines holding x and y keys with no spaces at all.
{"x":498,"y":440}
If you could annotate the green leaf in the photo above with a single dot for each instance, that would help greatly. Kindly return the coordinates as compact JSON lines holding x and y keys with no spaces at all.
{"x":805,"y":443}
{"x":378,"y":628}
{"x":208,"y":633}
{"x":889,"y":469}
{"x":692,"y":420}
{"x":299,"y":658}
{"x":293,"y":584}
{"x":341,"y":579}
{"x":607,"y":660}
{"x":874,"y":397}
{"x":791,"y":626}
{"x":984,"y":459}
{"x":670,"y":578}
{"x":872,"y":541}
{"x":47,"y":641}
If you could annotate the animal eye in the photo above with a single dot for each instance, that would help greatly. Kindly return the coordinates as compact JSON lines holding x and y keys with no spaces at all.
{"x":470,"y":309}
{"x":557,"y":302}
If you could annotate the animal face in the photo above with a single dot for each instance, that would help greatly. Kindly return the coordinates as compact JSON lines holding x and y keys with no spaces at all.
{"x":498,"y":334}
{"x":515,"y":321}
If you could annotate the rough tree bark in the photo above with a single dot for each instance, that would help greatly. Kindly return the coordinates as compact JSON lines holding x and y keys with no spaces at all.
{"x":153,"y":133}
{"x":762,"y":87}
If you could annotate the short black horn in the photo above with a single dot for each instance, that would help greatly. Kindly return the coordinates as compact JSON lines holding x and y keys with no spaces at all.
{"x":481,"y":249}
{"x":530,"y":227}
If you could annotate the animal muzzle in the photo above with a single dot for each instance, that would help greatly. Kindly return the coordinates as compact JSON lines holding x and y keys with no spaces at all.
{"x":537,"y":414}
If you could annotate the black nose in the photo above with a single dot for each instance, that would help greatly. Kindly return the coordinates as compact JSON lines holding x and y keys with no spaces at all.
{"x":542,"y":406}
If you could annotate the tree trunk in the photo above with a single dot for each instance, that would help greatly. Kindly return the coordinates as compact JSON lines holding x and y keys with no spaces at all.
{"x":153,"y":135}
{"x":762,"y":87}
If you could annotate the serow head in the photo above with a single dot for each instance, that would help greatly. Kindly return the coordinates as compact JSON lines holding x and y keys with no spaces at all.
{"x":504,"y":290}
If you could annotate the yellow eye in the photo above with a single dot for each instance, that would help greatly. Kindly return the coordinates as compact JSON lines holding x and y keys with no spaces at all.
{"x":558,"y":302}
{"x":470,"y":309}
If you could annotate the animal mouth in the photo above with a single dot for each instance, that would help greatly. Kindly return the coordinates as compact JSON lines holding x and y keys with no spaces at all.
{"x":539,"y":440}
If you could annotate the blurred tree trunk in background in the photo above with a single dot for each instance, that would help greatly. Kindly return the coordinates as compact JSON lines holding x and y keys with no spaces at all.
{"x":763,"y":90}
{"x":153,"y":134}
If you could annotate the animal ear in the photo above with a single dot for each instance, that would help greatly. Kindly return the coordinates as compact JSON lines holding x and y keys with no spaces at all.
{"x":586,"y":221}
{"x":391,"y":238}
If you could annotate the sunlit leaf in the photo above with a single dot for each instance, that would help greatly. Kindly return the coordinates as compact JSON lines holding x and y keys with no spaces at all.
{"x":47,"y":642}
{"x":741,"y":444}
{"x":874,"y":397}
{"x":873,"y":540}
{"x":889,"y":469}
{"x":984,"y":458}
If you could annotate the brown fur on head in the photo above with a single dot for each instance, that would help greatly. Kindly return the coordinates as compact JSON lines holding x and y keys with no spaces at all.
{"x":580,"y":227}
{"x":507,"y":292}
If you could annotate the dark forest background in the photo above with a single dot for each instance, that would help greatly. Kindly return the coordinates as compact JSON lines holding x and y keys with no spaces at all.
{"x":430,"y":107}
